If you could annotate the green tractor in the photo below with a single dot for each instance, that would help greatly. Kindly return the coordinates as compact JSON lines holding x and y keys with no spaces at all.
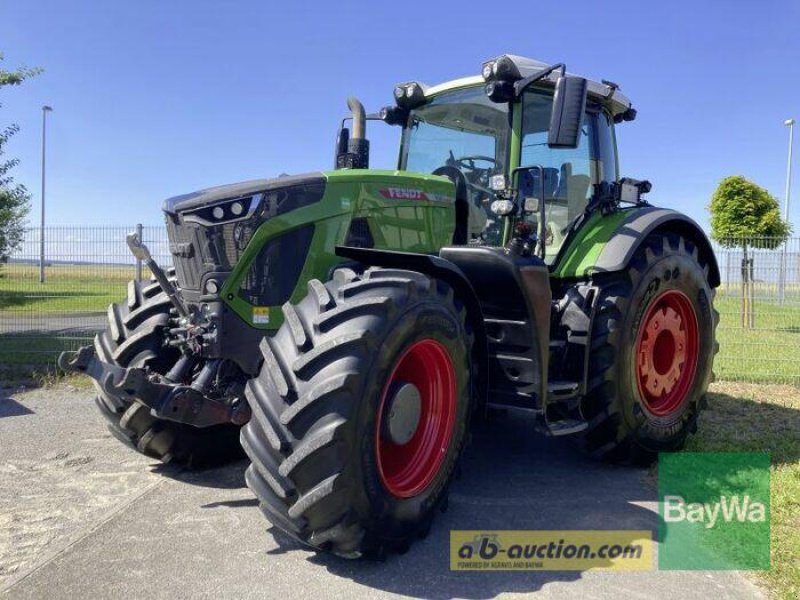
{"x":357,"y":321}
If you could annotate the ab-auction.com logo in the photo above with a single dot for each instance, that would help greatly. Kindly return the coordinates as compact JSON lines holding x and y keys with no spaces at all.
{"x":715,"y":511}
{"x":550,"y":550}
{"x":485,"y":546}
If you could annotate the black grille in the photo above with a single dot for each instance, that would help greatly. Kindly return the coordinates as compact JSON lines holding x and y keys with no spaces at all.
{"x":273,"y":275}
{"x":197,"y":250}
{"x":184,"y":246}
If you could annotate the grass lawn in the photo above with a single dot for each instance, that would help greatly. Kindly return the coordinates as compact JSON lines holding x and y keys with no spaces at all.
{"x":763,"y":418}
{"x":67,"y":289}
{"x":770,"y":352}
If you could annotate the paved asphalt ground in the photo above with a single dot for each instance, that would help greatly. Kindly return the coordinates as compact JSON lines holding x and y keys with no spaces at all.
{"x":81,"y":516}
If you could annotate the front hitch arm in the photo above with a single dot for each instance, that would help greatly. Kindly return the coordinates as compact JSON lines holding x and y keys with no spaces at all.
{"x":166,"y":399}
{"x":140,"y":252}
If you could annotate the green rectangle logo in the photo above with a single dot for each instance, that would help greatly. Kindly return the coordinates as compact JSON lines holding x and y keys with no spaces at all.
{"x":715,"y":511}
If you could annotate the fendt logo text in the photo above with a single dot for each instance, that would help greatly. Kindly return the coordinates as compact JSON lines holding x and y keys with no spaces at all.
{"x":395,"y":193}
{"x":729,"y":509}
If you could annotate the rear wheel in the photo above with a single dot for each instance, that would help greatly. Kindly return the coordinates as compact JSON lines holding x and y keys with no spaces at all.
{"x":653,"y":346}
{"x":360,"y":411}
{"x":135,"y":338}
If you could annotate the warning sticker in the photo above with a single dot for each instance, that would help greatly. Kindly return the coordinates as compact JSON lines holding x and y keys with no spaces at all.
{"x":261,"y":315}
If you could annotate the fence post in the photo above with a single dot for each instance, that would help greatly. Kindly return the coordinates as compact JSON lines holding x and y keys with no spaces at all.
{"x":782,"y":273}
{"x":139,"y":230}
{"x":728,"y":277}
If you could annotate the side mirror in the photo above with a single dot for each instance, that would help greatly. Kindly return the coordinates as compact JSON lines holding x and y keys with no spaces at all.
{"x":569,"y":104}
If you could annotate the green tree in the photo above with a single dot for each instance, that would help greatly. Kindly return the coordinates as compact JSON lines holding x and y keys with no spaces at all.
{"x":745,"y":214}
{"x":14,"y":197}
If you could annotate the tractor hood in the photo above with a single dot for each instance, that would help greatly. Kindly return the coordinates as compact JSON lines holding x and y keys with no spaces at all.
{"x":233,"y":191}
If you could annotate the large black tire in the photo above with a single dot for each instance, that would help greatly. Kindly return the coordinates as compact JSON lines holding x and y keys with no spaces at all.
{"x":134,"y":338}
{"x":628,"y":423}
{"x":313,"y":437}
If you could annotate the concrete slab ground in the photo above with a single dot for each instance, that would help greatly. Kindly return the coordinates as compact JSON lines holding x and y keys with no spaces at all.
{"x":82,"y":516}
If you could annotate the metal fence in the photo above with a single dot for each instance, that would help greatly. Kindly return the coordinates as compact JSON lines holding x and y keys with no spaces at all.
{"x":61,"y":302}
{"x":759,"y":306}
{"x":86,"y":268}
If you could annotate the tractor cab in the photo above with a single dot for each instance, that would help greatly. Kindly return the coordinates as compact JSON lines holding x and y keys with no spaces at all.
{"x":524,"y":132}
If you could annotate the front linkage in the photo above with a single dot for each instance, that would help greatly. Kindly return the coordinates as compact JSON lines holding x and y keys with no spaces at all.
{"x":167,"y":395}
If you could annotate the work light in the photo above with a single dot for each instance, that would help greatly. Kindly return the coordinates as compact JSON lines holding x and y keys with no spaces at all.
{"x":409,"y":95}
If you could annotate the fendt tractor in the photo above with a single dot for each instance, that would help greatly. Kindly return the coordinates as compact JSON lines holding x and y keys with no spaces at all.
{"x":345,"y":328}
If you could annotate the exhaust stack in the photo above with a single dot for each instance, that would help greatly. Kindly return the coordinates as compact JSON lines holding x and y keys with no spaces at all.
{"x":359,"y":118}
{"x":353,"y":149}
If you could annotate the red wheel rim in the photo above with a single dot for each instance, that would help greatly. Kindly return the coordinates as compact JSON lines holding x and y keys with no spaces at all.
{"x":667,"y":348}
{"x":406,"y":470}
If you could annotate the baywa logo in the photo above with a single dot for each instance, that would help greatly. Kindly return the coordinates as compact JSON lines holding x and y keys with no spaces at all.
{"x":743,"y":510}
{"x":715,"y":511}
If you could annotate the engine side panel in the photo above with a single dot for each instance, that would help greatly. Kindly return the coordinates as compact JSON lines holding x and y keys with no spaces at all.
{"x":393,"y":210}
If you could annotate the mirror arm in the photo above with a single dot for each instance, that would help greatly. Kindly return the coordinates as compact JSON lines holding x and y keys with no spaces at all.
{"x":521,"y":85}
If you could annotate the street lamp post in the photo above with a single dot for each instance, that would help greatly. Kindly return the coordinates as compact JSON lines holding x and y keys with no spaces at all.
{"x":45,"y":109}
{"x":790,"y":124}
{"x":782,"y":279}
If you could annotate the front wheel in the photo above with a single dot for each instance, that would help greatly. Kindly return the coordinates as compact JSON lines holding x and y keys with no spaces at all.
{"x":360,"y":411}
{"x":653,"y":346}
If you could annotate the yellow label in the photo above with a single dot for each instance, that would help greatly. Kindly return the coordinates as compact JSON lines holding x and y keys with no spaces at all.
{"x":566,"y":550}
{"x":261,"y":315}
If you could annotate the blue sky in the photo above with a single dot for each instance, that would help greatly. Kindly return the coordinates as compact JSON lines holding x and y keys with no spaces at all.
{"x":156,"y":98}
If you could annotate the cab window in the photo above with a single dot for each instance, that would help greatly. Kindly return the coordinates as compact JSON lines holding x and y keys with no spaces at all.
{"x":569,"y":173}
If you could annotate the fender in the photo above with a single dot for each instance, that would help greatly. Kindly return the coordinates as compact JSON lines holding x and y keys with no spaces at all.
{"x":608,"y":243}
{"x":445,"y":270}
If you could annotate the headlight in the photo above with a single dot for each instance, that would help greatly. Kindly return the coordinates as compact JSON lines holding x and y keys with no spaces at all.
{"x":227,"y":211}
{"x":278,"y":196}
{"x":502,"y":208}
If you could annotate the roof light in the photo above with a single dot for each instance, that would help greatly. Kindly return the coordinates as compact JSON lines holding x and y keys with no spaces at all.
{"x":501,"y":68}
{"x":409,"y":95}
{"x":500,"y":91}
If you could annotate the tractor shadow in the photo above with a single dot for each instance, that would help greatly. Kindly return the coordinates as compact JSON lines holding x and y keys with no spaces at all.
{"x":512,"y":479}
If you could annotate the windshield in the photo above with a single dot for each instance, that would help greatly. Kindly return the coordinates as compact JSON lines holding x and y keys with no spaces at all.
{"x":461,"y":130}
